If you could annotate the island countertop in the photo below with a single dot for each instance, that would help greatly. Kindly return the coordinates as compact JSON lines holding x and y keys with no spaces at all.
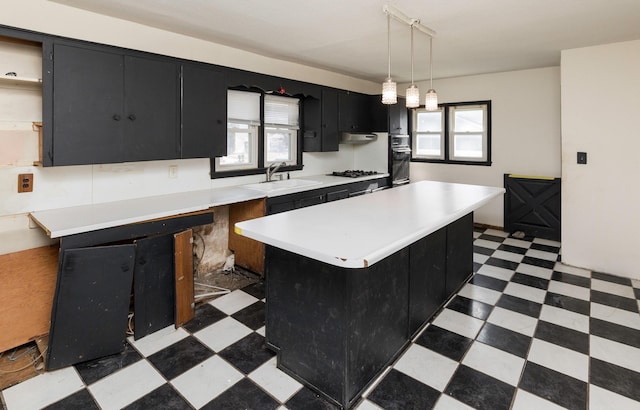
{"x":360,"y":231}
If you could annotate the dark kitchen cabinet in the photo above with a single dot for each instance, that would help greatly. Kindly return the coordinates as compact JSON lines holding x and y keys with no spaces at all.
{"x":204,"y":112}
{"x":399,"y":118}
{"x":112,"y":107}
{"x":354,"y":112}
{"x":459,"y":252}
{"x":321,"y":122}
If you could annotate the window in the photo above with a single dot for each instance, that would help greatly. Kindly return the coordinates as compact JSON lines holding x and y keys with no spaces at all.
{"x":261,"y":129}
{"x":281,"y":118}
{"x":456,"y":133}
{"x":243,"y":123}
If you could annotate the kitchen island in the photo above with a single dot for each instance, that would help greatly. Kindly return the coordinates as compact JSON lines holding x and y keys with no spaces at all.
{"x":350,"y":282}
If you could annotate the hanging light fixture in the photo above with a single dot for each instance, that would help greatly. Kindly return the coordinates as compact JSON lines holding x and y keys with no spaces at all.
{"x":431,"y":100}
{"x":413,"y":93}
{"x":389,"y":88}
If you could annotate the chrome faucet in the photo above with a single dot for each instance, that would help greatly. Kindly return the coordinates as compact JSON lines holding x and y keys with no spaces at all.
{"x":272,"y":168}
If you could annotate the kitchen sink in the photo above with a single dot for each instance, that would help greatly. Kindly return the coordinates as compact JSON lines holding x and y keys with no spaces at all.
{"x":280,"y":185}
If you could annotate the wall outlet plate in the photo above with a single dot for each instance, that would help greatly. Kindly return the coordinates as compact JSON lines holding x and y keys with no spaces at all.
{"x":582,"y":157}
{"x":25,"y":183}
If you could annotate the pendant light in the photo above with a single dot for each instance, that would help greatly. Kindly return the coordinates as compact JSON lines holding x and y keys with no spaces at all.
{"x":389,"y":88}
{"x":413,"y":93}
{"x":431,"y":100}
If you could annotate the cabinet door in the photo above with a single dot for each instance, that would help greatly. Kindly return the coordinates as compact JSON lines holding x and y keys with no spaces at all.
{"x":204,"y":113}
{"x":312,"y":121}
{"x":91,"y":303}
{"x":87,"y":106}
{"x":330,"y":133}
{"x":398,"y":118}
{"x":151,"y":110}
{"x":355,"y":112}
{"x":309,"y":200}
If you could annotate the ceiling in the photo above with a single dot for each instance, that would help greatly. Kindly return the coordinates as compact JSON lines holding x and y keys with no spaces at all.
{"x":350,"y":36}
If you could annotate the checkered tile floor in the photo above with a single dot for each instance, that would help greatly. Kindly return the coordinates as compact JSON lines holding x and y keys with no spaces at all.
{"x":526,"y":332}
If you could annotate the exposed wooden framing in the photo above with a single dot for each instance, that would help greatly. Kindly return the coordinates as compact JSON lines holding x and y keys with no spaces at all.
{"x":249,"y":253}
{"x":185,"y":306}
{"x":28,"y":282}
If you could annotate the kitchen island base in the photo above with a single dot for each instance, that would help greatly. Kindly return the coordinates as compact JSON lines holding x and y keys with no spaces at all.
{"x":337,"y":329}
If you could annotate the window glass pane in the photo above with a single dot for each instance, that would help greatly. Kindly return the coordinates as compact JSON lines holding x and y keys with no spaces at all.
{"x":467,"y":145}
{"x":279,"y":144}
{"x":429,"y":121}
{"x":469,"y":120}
{"x":429,"y":145}
{"x":239,"y":145}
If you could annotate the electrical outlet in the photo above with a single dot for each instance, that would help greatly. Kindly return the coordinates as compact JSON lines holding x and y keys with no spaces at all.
{"x":25,"y":183}
{"x":173,"y":171}
{"x":582,"y":158}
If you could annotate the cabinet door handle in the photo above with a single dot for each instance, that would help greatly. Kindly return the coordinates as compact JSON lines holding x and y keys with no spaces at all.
{"x":116,"y":117}
{"x":132,"y":117}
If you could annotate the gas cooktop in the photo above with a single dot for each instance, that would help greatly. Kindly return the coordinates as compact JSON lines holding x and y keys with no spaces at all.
{"x":352,"y":173}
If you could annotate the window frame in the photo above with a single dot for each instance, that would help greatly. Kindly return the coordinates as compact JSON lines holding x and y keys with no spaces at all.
{"x":448,"y":135}
{"x":218,"y":171}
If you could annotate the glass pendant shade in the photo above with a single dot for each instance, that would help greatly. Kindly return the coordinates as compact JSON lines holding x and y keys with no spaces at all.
{"x":431,"y":101}
{"x":413,"y":97}
{"x":389,"y":92}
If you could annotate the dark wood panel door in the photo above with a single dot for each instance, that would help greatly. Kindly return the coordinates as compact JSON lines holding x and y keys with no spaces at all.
{"x":91,"y":304}
{"x":88,"y":106}
{"x":151,"y":121}
{"x":204,"y":113}
{"x":153,"y":285}
{"x":330,"y":133}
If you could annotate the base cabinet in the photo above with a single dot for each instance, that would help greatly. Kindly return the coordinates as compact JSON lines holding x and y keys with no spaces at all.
{"x":97,"y":273}
{"x":337,"y":329}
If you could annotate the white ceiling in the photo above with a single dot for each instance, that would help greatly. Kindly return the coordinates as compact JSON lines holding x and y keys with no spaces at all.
{"x":350,"y":36}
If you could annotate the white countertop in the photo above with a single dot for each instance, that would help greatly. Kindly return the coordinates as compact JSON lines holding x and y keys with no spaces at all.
{"x":360,"y":231}
{"x":85,"y":218}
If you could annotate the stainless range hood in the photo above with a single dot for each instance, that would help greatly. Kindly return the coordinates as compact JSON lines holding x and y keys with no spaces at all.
{"x":357,"y":137}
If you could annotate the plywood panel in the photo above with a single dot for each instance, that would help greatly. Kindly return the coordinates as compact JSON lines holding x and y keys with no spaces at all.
{"x":185,"y":306}
{"x":249,"y":253}
{"x":27,"y":285}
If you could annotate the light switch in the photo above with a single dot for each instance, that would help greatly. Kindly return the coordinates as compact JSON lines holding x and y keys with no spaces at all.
{"x":582,"y":157}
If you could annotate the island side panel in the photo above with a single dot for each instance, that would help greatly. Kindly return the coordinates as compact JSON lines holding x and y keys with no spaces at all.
{"x":306,"y":319}
{"x":459,"y":252}
{"x":378,"y":320}
{"x":427,"y":278}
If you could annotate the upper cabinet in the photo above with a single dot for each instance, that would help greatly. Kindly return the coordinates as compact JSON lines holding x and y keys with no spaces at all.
{"x":113,"y":107}
{"x":321,"y":122}
{"x":398,"y":118}
{"x":204,"y":112}
{"x":355,"y":112}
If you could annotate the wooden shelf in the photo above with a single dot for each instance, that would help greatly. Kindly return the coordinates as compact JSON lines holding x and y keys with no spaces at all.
{"x":21,"y":81}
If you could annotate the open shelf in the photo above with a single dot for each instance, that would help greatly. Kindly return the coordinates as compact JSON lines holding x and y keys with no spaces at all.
{"x":21,"y":81}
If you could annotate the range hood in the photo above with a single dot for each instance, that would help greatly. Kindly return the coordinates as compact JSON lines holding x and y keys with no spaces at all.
{"x":357,"y":137}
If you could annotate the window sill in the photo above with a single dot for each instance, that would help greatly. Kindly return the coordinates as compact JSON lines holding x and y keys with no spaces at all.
{"x":441,"y":161}
{"x":244,"y":172}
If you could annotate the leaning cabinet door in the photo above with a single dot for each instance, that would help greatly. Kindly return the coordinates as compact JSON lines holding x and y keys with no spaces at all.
{"x":91,"y":303}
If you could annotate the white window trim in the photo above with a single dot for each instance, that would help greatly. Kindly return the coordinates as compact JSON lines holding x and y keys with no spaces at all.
{"x":291,"y":125}
{"x":418,"y":133}
{"x":452,"y":133}
{"x":293,"y":145}
{"x":253,"y":150}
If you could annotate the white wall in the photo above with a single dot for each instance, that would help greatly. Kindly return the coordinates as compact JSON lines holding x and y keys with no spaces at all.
{"x":600,"y":200}
{"x":525,"y":134}
{"x":78,"y":185}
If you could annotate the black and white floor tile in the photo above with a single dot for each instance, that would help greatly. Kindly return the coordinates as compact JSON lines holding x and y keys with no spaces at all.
{"x":525,"y":332}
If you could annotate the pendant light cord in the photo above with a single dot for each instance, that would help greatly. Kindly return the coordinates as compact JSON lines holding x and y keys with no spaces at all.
{"x":431,"y":62}
{"x":388,"y":46}
{"x":411,"y":53}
